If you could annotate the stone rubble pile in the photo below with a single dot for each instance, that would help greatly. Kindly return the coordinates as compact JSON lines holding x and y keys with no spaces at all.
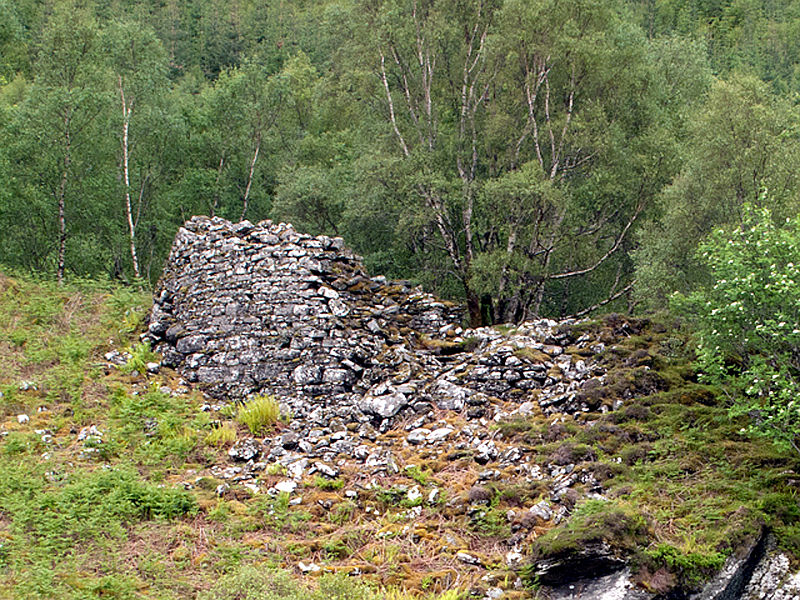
{"x":246,"y":309}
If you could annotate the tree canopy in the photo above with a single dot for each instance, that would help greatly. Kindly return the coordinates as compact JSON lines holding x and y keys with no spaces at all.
{"x":529,"y":158}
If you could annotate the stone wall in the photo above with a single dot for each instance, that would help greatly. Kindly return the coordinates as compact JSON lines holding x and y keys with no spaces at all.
{"x":246,"y":308}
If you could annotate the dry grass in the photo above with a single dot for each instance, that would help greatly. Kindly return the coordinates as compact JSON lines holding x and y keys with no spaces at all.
{"x":222,"y":436}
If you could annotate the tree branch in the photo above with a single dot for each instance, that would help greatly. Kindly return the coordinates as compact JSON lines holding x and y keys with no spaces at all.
{"x":611,"y":298}
{"x":611,"y":251}
{"x":391,"y":106}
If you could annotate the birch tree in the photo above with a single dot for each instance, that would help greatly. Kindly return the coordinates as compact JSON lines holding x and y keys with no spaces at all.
{"x":63,"y":105}
{"x":243,"y":109}
{"x":436,"y":74}
{"x":138,"y":64}
{"x":570,"y":67}
{"x":482,"y":97}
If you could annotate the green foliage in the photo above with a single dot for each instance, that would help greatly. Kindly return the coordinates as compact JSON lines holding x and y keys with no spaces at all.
{"x":393,"y":496}
{"x":691,"y":567}
{"x":330,"y":485}
{"x":277,"y":112}
{"x":155,"y":427}
{"x":259,"y":413}
{"x":622,"y":527}
{"x":342,"y":513}
{"x":748,"y":335}
{"x":90,"y":506}
{"x":743,"y":140}
{"x":21,"y":443}
{"x":420,"y":475}
{"x":141,"y":354}
{"x":276,"y":513}
{"x":252,"y":583}
{"x":491,"y":521}
{"x":57,"y":333}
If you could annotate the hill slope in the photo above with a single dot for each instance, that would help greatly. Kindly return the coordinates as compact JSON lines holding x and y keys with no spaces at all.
{"x":119,"y":482}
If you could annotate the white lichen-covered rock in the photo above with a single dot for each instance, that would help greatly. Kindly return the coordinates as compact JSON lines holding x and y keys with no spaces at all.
{"x":773,"y":579}
{"x":245,"y":450}
{"x":287,"y":486}
{"x":615,"y":586}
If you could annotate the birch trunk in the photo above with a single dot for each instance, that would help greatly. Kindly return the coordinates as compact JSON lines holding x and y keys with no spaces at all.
{"x":250,"y":178}
{"x":62,"y":203}
{"x":127,"y":110}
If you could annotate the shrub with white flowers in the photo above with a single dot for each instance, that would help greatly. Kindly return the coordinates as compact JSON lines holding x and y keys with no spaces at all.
{"x":749,"y":322}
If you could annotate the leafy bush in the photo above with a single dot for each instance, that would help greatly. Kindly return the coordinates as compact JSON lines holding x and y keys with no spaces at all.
{"x":259,"y":413}
{"x":748,"y":322}
{"x":121,"y":493}
{"x":276,"y":512}
{"x":251,"y":583}
{"x":19,"y":443}
{"x":421,"y":476}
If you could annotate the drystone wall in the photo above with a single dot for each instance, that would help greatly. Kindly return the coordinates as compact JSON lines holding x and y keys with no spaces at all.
{"x":242,"y":307}
{"x":245,"y":309}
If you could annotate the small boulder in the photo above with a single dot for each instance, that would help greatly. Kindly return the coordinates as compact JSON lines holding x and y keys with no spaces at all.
{"x":245,"y":450}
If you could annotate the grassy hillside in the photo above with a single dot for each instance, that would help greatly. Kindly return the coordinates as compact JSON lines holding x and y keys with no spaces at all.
{"x":106,"y":489}
{"x":95,"y":463}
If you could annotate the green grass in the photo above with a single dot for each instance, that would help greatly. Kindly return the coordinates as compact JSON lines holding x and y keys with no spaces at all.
{"x":277,"y":514}
{"x":259,"y":414}
{"x":54,"y":526}
{"x":252,"y":583}
{"x":155,"y":428}
{"x":55,"y":335}
{"x":327,"y":484}
{"x":140,"y":518}
{"x":686,"y":488}
{"x":222,"y":436}
{"x":617,"y":524}
{"x":420,"y":475}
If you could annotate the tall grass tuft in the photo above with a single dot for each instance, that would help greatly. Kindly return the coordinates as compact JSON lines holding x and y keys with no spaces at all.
{"x":221,"y":436}
{"x":259,"y":413}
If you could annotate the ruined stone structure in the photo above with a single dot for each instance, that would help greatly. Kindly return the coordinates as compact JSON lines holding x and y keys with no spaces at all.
{"x":244,"y":309}
{"x":373,"y":370}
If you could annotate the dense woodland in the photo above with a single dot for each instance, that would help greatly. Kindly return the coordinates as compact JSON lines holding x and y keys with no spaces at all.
{"x":530,"y":158}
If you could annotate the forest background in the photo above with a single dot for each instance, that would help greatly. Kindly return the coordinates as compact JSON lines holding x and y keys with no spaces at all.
{"x":530,"y":158}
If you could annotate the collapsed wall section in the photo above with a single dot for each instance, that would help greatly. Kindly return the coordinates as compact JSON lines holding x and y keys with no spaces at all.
{"x":244,"y":309}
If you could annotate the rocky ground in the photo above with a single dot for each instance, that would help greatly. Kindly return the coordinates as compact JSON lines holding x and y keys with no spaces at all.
{"x":546,"y":460}
{"x":394,"y":414}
